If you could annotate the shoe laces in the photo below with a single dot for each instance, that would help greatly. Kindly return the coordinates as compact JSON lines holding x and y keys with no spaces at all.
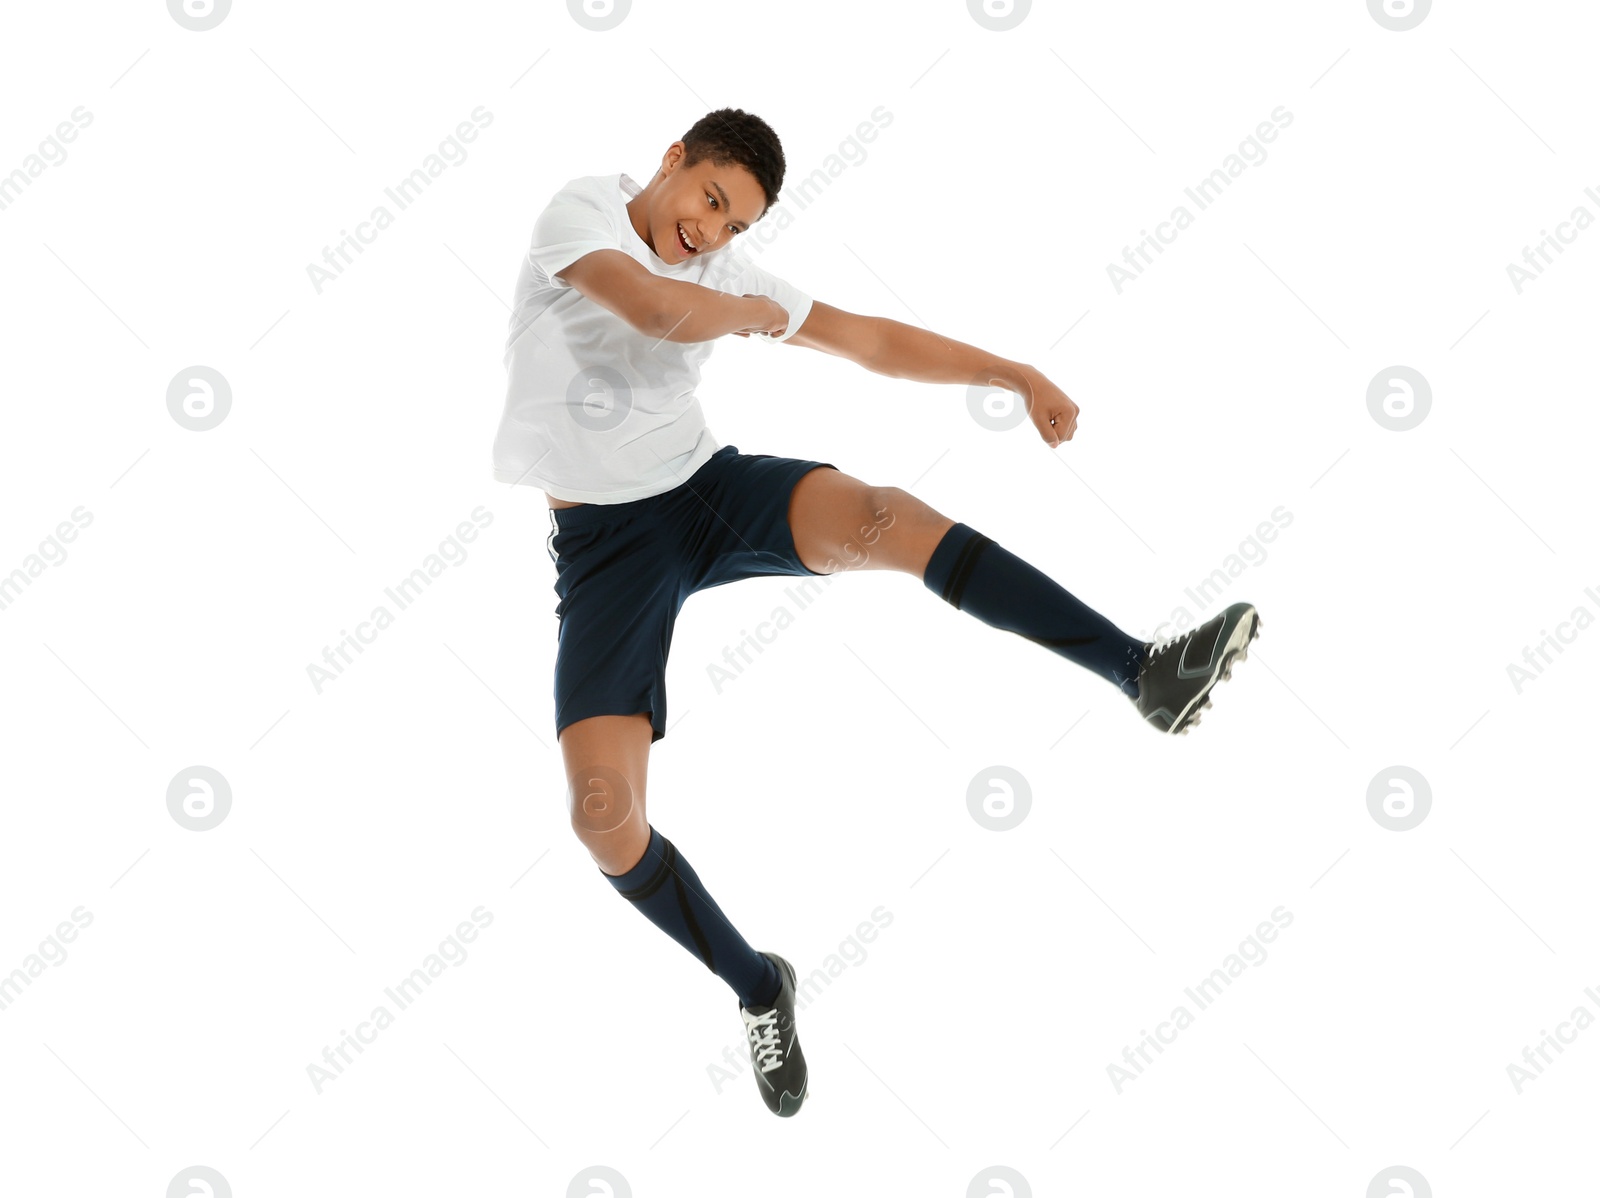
{"x":1166,"y":643}
{"x":764,"y":1036}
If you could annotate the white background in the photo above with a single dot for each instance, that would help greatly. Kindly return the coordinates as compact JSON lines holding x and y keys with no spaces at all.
{"x":831,"y":778}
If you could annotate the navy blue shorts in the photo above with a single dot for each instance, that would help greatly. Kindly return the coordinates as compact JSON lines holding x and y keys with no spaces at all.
{"x":623,"y":571}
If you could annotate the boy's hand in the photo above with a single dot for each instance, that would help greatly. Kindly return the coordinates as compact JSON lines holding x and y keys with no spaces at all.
{"x":768,"y":318}
{"x":1053,"y":414}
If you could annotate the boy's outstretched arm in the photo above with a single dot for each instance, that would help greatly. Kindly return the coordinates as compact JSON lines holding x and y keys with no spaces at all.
{"x":903,"y":351}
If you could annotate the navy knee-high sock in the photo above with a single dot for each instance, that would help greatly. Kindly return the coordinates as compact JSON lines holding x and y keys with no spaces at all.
{"x":667,"y":890}
{"x":977,"y":575}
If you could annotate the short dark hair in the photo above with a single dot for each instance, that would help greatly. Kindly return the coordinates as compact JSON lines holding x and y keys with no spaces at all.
{"x":731,"y":136}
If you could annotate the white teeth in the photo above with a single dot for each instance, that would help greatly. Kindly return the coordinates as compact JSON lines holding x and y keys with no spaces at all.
{"x":685,"y":238}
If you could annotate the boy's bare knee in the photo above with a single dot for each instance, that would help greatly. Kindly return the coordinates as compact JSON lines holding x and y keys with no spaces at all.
{"x":607,"y":814}
{"x":900,"y":532}
{"x":891,"y":505}
{"x":606,"y":758}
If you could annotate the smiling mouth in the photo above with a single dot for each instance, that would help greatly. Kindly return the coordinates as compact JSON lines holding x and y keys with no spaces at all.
{"x":683,"y":243}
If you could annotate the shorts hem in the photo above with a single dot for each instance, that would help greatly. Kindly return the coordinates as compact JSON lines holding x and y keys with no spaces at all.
{"x":642,"y":706}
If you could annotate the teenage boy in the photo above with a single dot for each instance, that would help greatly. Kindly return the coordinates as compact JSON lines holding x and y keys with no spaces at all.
{"x":624,"y":292}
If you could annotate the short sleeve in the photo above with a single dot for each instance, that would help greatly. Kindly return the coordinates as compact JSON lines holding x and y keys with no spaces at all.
{"x":572,"y":225}
{"x":740,"y":276}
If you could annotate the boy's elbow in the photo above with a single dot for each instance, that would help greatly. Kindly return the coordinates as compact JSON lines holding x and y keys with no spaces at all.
{"x":649,"y":321}
{"x":665,"y":325}
{"x":652,"y":318}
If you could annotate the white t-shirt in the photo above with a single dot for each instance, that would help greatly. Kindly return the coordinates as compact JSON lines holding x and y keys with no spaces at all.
{"x":596,"y":411}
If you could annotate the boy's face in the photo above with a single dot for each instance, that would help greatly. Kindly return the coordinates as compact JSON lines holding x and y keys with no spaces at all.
{"x":710,"y":204}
